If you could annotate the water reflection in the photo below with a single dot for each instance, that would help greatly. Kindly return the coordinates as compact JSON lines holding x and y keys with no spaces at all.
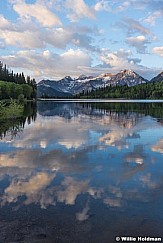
{"x":99,"y":163}
{"x":12,"y":127}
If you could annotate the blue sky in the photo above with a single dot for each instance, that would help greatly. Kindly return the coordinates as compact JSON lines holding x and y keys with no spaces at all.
{"x":55,"y":38}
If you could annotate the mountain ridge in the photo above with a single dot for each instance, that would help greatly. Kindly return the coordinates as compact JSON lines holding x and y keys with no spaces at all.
{"x":68,"y":86}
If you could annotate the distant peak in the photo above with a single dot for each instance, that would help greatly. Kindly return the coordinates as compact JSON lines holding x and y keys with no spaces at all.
{"x":83,"y":77}
{"x":68,"y":77}
{"x":104,"y":75}
{"x":127,"y":71}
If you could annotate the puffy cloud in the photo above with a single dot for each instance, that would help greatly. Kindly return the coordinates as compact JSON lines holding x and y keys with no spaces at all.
{"x":63,"y":135}
{"x":15,"y":159}
{"x":38,"y":187}
{"x":139,"y":42}
{"x":4,"y":23}
{"x":27,"y":187}
{"x":77,"y":36}
{"x":25,"y":33}
{"x":79,"y":9}
{"x":118,"y":60}
{"x":73,"y":59}
{"x":74,"y":9}
{"x":48,"y":64}
{"x":27,"y":36}
{"x":118,"y":135}
{"x":43,"y":15}
{"x":122,"y":53}
{"x":158,"y":50}
{"x":25,"y":39}
{"x":58,"y":37}
{"x":72,"y":188}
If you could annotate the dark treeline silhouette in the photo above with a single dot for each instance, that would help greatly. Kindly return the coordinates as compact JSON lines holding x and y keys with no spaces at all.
{"x":12,"y":85}
{"x":150,"y":90}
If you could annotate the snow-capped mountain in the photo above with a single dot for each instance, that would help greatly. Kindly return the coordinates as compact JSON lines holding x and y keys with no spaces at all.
{"x":70,"y":86}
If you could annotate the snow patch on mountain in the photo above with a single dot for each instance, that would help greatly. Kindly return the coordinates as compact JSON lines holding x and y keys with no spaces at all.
{"x":85,"y":83}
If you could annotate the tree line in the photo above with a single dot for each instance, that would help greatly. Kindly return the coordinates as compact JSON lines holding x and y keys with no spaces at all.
{"x":13,"y":85}
{"x":151,"y":90}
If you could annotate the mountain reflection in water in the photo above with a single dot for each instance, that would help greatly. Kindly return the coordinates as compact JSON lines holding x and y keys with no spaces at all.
{"x":83,"y":172}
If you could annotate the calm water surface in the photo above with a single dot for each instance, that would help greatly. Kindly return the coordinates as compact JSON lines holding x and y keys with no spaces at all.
{"x":82,"y":172}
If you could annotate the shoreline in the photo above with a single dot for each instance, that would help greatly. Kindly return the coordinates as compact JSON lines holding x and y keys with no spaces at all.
{"x":102,"y":100}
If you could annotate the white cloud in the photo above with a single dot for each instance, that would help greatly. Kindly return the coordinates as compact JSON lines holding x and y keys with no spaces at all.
{"x":71,"y":35}
{"x":71,"y":189}
{"x":58,"y":37}
{"x":48,"y":64}
{"x":139,"y":42}
{"x":4,"y":23}
{"x":103,"y":5}
{"x":13,"y":159}
{"x":158,"y":50}
{"x":42,"y":14}
{"x":151,"y":19}
{"x":79,"y":9}
{"x":25,"y":39}
{"x":118,"y":60}
{"x":25,"y":35}
{"x":28,"y":187}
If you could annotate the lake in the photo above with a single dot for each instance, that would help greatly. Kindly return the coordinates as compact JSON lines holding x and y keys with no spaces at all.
{"x":82,"y":172}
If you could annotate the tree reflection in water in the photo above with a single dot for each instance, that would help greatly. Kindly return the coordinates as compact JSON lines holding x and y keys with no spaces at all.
{"x":82,"y":172}
{"x":14,"y":126}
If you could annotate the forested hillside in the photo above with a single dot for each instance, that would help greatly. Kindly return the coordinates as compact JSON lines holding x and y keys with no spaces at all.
{"x":13,"y":85}
{"x":150,"y":90}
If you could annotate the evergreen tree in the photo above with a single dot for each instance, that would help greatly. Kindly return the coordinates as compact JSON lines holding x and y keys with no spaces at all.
{"x":27,"y":88}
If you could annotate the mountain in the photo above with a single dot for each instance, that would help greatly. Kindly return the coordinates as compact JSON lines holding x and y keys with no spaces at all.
{"x":71,"y":86}
{"x":126,"y":77}
{"x":49,"y":88}
{"x":158,"y":78}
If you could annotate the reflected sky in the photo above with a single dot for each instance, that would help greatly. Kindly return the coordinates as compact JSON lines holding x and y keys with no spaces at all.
{"x":93,"y":160}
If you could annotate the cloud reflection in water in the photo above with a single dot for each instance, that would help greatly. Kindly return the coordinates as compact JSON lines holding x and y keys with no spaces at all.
{"x":84,"y":151}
